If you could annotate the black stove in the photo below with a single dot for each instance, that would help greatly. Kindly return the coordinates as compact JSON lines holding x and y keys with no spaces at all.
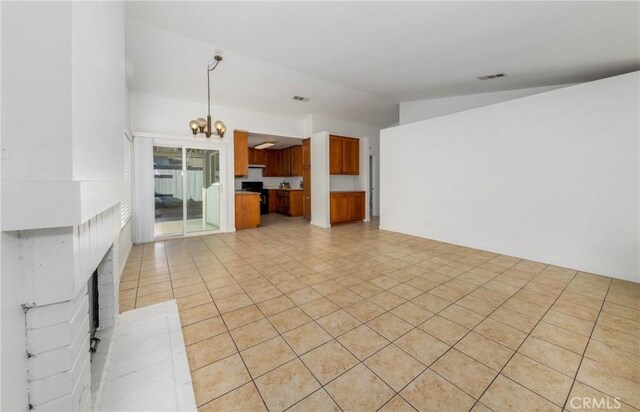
{"x":258,"y":187}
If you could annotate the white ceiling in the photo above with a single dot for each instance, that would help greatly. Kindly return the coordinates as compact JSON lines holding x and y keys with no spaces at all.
{"x":357,"y":60}
{"x":281,"y":141}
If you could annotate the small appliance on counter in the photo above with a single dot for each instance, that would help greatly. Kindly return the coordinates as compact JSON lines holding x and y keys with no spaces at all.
{"x":285,"y":185}
{"x":258,"y":187}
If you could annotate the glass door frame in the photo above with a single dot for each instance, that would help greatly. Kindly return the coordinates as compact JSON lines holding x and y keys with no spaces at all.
{"x":203,"y":145}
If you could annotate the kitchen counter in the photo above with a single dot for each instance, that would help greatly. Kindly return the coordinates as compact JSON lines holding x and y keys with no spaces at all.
{"x":289,"y":190}
{"x":347,"y":191}
{"x":244,"y":192}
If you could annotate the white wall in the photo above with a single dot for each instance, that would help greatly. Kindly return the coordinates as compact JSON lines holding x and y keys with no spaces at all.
{"x":552,"y":177}
{"x":320,"y":183}
{"x":426,"y":109}
{"x":320,"y":123}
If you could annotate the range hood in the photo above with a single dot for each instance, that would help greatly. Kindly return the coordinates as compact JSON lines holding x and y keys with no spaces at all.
{"x":257,"y":166}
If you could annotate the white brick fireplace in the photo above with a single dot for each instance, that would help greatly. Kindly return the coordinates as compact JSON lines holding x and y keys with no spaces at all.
{"x":54,"y":266}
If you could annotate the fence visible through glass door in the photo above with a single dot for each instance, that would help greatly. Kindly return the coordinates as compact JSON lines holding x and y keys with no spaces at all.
{"x":202,"y":190}
{"x":168,"y":191}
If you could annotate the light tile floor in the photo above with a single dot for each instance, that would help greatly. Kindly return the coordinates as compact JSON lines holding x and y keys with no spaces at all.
{"x":289,"y":316}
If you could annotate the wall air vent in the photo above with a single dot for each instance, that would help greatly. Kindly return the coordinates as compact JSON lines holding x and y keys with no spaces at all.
{"x":492,"y":76}
{"x":301,"y":99}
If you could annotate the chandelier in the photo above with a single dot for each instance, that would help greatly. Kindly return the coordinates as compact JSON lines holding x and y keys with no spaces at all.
{"x":201,"y":125}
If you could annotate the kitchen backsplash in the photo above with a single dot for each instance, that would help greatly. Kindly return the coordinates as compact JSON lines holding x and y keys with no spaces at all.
{"x":255,"y":175}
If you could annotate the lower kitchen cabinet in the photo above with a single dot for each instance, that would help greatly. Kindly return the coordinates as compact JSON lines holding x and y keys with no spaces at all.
{"x":289,"y":202}
{"x":247,"y":210}
{"x":347,"y":206}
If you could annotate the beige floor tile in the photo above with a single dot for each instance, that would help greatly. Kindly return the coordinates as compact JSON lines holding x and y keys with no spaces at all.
{"x":319,"y":401}
{"x":514,"y":319}
{"x":444,"y":329}
{"x":506,"y":395}
{"x":198,"y":331}
{"x":623,"y":363}
{"x":306,"y":337}
{"x":466,"y":373}
{"x":431,"y":392}
{"x":394,"y":366}
{"x":384,"y":282}
{"x":609,"y":381}
{"x":555,"y":357}
{"x":412,"y":313}
{"x":359,"y":390}
{"x":397,"y":404}
{"x":153,"y":288}
{"x":329,"y":361}
{"x":302,"y":296}
{"x":561,"y":337}
{"x":243,"y":399}
{"x":338,"y":323}
{"x":625,"y":312}
{"x":198,"y":313}
{"x":462,"y":316}
{"x":364,"y":310}
{"x":319,"y":308}
{"x":210,"y":350}
{"x":477,"y":304}
{"x":262,"y":294}
{"x":430,"y":302}
{"x":275,"y":305}
{"x":619,"y":324}
{"x":226,"y":291}
{"x":193,"y":300}
{"x":538,"y":378}
{"x":344,"y":298}
{"x":577,"y":325}
{"x":286,"y":385}
{"x":422,"y":346}
{"x":484,"y":350}
{"x":501,"y":333}
{"x":386,"y":300}
{"x":366,"y":289}
{"x":153,"y":298}
{"x":218,"y":378}
{"x":267,"y":355}
{"x":289,"y":319}
{"x":390,"y":326}
{"x":363,"y":341}
{"x":243,"y":316}
{"x":253,"y":333}
{"x":617,"y":339}
{"x":405,"y":291}
{"x":232,"y":303}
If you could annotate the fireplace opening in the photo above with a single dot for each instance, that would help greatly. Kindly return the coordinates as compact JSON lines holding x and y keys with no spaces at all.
{"x":94,"y":311}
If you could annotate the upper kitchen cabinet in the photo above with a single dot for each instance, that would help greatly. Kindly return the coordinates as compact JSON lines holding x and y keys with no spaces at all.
{"x":257,"y":157}
{"x":272,"y":163}
{"x":344,"y":155}
{"x":296,"y":160}
{"x":286,"y":162}
{"x":240,"y":153}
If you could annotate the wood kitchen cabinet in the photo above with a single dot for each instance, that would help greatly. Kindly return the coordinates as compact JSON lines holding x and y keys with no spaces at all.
{"x":289,"y":202}
{"x":285,"y":165}
{"x":273,"y":206}
{"x":306,"y":178}
{"x":272,"y":163}
{"x":347,"y":206}
{"x":344,"y":155}
{"x":296,"y":161}
{"x":240,"y":153}
{"x":247,"y":209}
{"x":256,"y":157}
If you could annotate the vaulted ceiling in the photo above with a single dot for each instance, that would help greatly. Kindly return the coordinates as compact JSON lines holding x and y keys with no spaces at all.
{"x":358,"y":60}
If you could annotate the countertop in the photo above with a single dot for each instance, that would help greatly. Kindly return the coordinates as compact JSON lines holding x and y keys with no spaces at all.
{"x":289,"y":190}
{"x":347,"y":191}
{"x":244,"y":192}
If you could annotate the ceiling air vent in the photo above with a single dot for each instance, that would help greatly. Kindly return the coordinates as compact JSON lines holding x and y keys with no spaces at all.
{"x":301,"y":99}
{"x":492,"y":76}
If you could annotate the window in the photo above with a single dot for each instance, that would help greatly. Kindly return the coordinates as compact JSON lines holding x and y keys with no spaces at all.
{"x":125,"y":204}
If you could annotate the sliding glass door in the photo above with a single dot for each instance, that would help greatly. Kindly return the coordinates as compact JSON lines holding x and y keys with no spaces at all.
{"x":168,"y":191}
{"x":187,"y":190}
{"x":203,"y":190}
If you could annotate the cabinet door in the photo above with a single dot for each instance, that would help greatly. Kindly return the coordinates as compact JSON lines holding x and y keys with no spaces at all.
{"x":339,"y":207}
{"x":240,"y":153}
{"x":356,"y":206}
{"x":272,"y":202}
{"x":258,"y":157}
{"x":296,"y":161}
{"x":306,"y":153}
{"x":336,"y":152}
{"x":286,"y":162}
{"x":271,"y":163}
{"x":306,"y":192}
{"x":351,"y":156}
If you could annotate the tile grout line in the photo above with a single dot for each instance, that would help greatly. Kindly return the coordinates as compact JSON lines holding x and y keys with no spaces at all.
{"x":595,"y":323}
